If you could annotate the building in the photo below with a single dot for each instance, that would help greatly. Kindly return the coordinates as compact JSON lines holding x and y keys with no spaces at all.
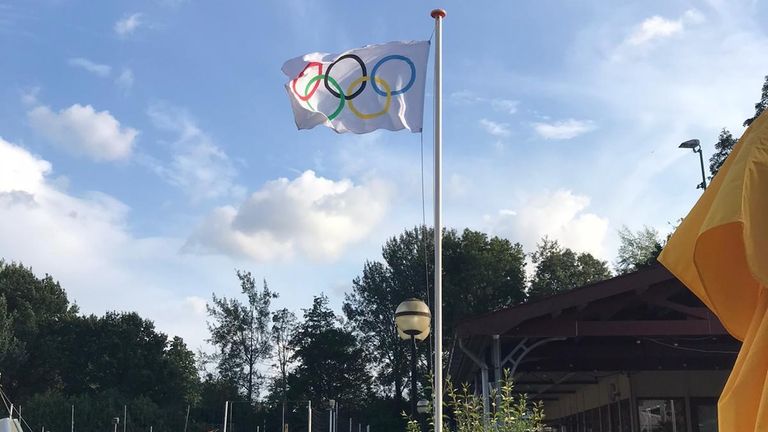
{"x":635,"y":353}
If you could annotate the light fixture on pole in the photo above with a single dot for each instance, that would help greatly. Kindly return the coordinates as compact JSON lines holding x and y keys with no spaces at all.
{"x":412,"y":319}
{"x":422,"y":406}
{"x":695,"y":145}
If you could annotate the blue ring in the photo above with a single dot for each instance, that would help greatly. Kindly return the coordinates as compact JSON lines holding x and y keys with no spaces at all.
{"x":376,"y":88}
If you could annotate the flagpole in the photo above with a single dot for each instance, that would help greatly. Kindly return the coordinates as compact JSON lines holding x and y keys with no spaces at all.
{"x":438,"y":15}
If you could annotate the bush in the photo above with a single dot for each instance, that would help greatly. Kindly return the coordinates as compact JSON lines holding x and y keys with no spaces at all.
{"x":508,"y":412}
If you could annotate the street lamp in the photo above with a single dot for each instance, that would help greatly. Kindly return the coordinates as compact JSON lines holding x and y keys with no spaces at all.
{"x":412,"y":319}
{"x":695,"y":145}
{"x":423,"y":406}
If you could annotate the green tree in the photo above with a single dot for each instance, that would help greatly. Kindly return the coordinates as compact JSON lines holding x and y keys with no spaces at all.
{"x":637,"y":249}
{"x":559,"y":269}
{"x":723,"y":147}
{"x":330,"y":362}
{"x":33,"y":307}
{"x":481,"y":274}
{"x":11,"y":350}
{"x":283,"y":327}
{"x":241,"y":334}
{"x":761,"y":105}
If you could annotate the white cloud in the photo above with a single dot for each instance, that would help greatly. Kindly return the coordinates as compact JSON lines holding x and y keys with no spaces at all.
{"x":127,"y":25}
{"x":83,"y":241}
{"x":562,"y":130}
{"x":505,"y":105}
{"x":125,"y":79}
{"x":198,"y":166}
{"x":101,"y":70}
{"x":657,"y":27}
{"x":467,"y":97}
{"x":561,"y":215}
{"x":84,"y":131}
{"x":29,"y":96}
{"x":498,"y":130}
{"x":309,"y":215}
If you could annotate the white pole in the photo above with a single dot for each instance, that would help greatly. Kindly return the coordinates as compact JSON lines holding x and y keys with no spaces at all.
{"x":186,"y":419}
{"x":438,"y":15}
{"x":309,"y":416}
{"x":226,"y":411}
{"x":125,"y":417}
{"x":350,"y":424}
{"x":72,"y":425}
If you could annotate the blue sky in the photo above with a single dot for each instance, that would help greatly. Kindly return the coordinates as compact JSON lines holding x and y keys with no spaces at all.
{"x":132,"y":132}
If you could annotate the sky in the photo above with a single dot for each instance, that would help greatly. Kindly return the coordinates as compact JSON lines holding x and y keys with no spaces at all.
{"x":148,"y":150}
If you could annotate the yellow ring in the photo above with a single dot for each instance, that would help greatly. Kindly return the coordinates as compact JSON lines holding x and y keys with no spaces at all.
{"x":387,"y":101}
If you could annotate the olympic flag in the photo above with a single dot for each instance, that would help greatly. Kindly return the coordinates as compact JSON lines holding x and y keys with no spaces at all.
{"x":360,"y":90}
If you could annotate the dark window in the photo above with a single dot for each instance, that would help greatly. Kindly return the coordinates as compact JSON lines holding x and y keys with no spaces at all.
{"x":704,"y":412}
{"x":626,"y":420}
{"x":615,"y":418}
{"x":661,"y":415}
{"x":605,"y":419}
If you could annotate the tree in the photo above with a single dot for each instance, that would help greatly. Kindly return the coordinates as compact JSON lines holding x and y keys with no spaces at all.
{"x":723,"y":148}
{"x":11,"y":350}
{"x":241,"y":334}
{"x":33,"y":307}
{"x":330,"y":362}
{"x":283,"y":328}
{"x":637,"y":249}
{"x":559,"y":270}
{"x":481,"y":274}
{"x":761,"y":105}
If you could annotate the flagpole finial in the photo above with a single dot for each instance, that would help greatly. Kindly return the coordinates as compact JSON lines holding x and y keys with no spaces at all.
{"x":438,"y":13}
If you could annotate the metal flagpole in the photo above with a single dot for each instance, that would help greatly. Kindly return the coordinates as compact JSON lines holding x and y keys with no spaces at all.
{"x":438,"y":15}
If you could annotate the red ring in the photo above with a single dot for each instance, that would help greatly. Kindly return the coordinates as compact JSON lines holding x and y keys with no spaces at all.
{"x":301,"y":74}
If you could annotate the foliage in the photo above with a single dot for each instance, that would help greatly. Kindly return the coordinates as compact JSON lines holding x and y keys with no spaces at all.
{"x":761,"y":105}
{"x":32,"y":306}
{"x":638,"y":249}
{"x":723,"y":147}
{"x":481,"y":274}
{"x":508,"y":412}
{"x":331,"y":363}
{"x":283,"y":326}
{"x":241,"y":334}
{"x":559,"y":269}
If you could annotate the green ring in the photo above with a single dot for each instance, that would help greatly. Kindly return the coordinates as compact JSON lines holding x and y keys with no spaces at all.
{"x":338,"y":89}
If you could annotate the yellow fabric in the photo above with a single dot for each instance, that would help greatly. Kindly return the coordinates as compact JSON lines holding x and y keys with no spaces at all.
{"x":720,"y":252}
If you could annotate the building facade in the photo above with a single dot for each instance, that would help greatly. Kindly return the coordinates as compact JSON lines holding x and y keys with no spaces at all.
{"x":635,"y":353}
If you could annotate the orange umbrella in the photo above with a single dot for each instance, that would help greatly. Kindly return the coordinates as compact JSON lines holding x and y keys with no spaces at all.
{"x":720,"y":252}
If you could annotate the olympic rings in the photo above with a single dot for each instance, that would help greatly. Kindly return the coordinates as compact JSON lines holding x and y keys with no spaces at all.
{"x":384,"y":60}
{"x":328,"y":75}
{"x":306,"y":97}
{"x":387,"y":101}
{"x":333,"y":87}
{"x":317,"y":78}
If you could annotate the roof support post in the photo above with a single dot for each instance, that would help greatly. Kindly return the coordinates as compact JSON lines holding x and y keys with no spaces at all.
{"x":484,"y":382}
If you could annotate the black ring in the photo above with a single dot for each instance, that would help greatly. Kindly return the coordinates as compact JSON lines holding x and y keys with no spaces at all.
{"x":328,"y":73}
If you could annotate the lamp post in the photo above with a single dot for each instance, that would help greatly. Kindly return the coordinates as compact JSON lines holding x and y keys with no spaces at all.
{"x":331,"y":406}
{"x":695,"y":145}
{"x":412,"y":319}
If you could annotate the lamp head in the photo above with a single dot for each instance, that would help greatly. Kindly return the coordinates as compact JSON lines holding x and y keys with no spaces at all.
{"x":422,"y":406}
{"x":412,"y":318}
{"x":692,"y":144}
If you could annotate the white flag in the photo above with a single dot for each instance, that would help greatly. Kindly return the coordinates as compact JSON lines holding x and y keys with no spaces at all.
{"x":360,"y":90}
